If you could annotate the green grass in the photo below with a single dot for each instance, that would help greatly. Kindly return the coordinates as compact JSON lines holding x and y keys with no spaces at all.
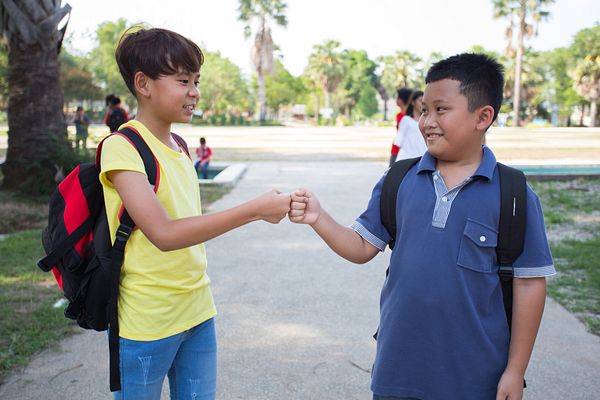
{"x":577,"y":285}
{"x":18,"y":212}
{"x":28,"y":322}
{"x":564,"y":200}
{"x":572,"y":209}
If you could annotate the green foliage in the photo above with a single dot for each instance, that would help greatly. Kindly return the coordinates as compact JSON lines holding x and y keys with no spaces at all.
{"x":367,"y":102}
{"x":77,"y":81}
{"x":326,"y":67}
{"x":260,"y":10}
{"x":358,"y":82}
{"x":102,"y":58}
{"x":401,"y":69}
{"x":222,"y":87}
{"x":283,"y":88}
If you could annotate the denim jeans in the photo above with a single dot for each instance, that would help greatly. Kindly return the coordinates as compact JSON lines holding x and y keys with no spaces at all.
{"x":376,"y":397}
{"x":203,"y":168}
{"x":188,"y":358}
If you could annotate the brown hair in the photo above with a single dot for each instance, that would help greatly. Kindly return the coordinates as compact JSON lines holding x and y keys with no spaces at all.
{"x":155,"y":52}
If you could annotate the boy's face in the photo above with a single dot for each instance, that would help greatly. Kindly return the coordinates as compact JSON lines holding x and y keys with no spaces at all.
{"x":174,"y":97}
{"x":450,"y":130}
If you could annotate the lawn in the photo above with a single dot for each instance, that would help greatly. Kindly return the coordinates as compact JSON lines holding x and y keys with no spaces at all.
{"x":572,"y":214}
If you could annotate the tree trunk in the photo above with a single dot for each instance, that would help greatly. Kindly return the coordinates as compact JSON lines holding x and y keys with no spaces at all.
{"x":519,"y":64}
{"x":327,"y":99}
{"x":262,"y":96}
{"x":593,"y":111}
{"x":37,"y":132}
{"x":385,"y":109}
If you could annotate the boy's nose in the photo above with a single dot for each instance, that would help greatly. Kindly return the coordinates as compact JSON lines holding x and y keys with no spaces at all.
{"x":194,"y":92}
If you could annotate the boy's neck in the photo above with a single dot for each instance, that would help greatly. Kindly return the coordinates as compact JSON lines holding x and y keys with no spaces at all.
{"x":455,"y":171}
{"x":159,"y":128}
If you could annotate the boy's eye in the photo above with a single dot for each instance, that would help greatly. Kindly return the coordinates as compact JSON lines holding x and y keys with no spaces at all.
{"x":184,"y":81}
{"x":196,"y":83}
{"x":439,"y":109}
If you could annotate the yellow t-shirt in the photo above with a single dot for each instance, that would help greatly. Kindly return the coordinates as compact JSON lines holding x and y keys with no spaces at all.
{"x":161,"y":293}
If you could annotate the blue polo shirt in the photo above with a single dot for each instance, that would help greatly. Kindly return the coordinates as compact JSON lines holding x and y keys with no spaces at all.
{"x":443,"y":331}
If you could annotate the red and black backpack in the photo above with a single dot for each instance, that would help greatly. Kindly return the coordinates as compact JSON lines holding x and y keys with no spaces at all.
{"x":79,"y":252}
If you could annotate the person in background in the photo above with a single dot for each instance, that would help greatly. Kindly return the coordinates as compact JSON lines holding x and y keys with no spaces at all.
{"x":115,"y":114}
{"x":402,"y":97}
{"x":409,"y":139}
{"x":204,"y":154}
{"x":82,"y":122}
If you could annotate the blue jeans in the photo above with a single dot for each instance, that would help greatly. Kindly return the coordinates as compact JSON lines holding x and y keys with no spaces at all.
{"x":376,"y":397}
{"x":188,"y":358}
{"x":203,"y":168}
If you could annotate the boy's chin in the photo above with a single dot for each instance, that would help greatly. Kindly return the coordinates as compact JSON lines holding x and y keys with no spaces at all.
{"x":184,"y":120}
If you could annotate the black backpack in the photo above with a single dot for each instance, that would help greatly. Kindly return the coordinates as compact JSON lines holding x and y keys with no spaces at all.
{"x":511,"y":229}
{"x":78,"y":247}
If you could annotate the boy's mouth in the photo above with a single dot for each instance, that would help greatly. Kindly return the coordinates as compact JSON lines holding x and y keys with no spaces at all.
{"x":433,"y":135}
{"x":190,"y":107}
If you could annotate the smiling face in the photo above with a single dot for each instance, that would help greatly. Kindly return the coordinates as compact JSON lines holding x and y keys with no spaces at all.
{"x":451,"y":132}
{"x":174,"y":97}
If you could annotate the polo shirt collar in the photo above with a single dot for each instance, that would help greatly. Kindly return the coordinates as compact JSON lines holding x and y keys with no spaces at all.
{"x":485,"y":169}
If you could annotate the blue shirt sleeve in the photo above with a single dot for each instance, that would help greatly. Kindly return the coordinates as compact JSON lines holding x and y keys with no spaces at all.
{"x":536,"y":259}
{"x":368,"y":225}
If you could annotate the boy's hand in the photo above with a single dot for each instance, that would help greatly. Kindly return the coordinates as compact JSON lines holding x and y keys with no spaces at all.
{"x":510,"y":386}
{"x":272,"y":206}
{"x":305,"y":207}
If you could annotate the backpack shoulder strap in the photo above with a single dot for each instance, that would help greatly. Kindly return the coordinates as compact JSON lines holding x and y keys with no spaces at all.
{"x":513,"y":207}
{"x":181,"y":142}
{"x":389,"y":195}
{"x":511,"y":229}
{"x":126,"y":225}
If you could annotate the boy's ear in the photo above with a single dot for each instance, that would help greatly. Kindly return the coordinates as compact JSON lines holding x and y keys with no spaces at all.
{"x":141,"y":84}
{"x":485,"y":117}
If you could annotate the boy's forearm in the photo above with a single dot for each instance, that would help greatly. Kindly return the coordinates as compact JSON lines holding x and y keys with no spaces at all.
{"x":529,"y":296}
{"x":185,"y":232}
{"x":344,"y":240}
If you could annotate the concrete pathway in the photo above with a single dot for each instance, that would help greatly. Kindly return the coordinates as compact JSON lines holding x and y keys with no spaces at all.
{"x":295,"y":320}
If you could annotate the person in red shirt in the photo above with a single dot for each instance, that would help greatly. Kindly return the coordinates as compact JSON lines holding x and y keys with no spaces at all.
{"x":402,"y":97}
{"x":204,"y":154}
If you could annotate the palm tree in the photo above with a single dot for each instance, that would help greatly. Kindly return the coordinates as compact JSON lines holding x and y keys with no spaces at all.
{"x":262,"y":52}
{"x":517,"y":12}
{"x":587,"y":83}
{"x":36,"y":124}
{"x":400,"y":69}
{"x":326,"y":67}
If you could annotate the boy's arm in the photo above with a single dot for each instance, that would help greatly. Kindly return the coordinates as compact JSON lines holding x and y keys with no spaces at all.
{"x":170,"y":234}
{"x":341,"y":239}
{"x":529,"y":296}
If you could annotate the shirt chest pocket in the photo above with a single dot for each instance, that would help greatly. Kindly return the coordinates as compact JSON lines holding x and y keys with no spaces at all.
{"x":478,"y":247}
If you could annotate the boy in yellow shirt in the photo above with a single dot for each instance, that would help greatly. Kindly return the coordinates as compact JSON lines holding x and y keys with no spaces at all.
{"x":165,"y":304}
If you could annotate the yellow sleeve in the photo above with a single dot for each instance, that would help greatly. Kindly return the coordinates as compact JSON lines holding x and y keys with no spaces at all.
{"x":119,"y":155}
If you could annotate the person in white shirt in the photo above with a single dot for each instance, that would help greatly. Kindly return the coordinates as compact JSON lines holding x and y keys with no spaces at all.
{"x":409,"y":137}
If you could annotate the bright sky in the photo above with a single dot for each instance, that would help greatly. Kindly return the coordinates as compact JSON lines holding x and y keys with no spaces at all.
{"x":380,"y":27}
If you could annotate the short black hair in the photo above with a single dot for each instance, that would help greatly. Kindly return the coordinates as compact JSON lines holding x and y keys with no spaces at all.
{"x":481,"y":78}
{"x":109,"y":99}
{"x":403,"y":94}
{"x":202,"y":140}
{"x":156,"y":52}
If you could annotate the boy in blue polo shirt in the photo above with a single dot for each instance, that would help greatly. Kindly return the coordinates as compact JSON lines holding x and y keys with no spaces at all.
{"x":443,"y":331}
